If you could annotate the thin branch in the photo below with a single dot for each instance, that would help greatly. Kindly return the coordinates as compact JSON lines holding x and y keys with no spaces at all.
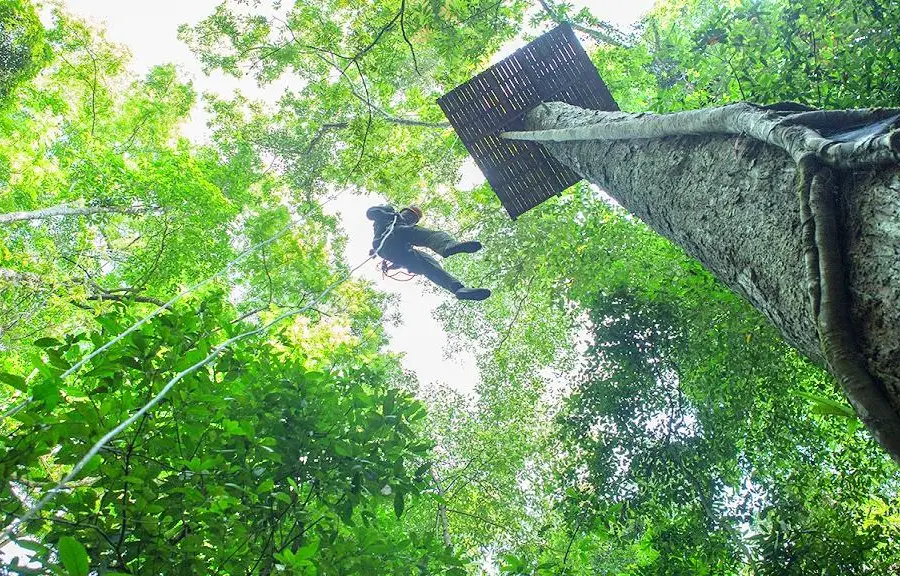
{"x":442,"y":509}
{"x":356,"y":57}
{"x":362,"y":148}
{"x":381,"y":112}
{"x":477,"y":517}
{"x":571,"y":541}
{"x":139,"y":285}
{"x":354,"y":60}
{"x":106,"y":296}
{"x":406,"y":39}
{"x":519,"y":308}
{"x":610,"y":35}
{"x":321,"y":132}
{"x":140,"y":123}
{"x":93,"y":92}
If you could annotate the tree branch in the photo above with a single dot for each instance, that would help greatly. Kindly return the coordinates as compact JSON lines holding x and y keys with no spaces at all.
{"x":67,"y":210}
{"x":742,"y":119}
{"x":442,"y":508}
{"x":108,"y":296}
{"x":321,"y":132}
{"x":406,"y":39}
{"x":610,"y":35}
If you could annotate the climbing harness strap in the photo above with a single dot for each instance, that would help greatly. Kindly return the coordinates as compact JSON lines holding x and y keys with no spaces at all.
{"x":387,"y":271}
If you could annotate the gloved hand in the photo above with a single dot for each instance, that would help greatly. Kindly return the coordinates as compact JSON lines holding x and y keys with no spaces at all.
{"x":387,"y":266}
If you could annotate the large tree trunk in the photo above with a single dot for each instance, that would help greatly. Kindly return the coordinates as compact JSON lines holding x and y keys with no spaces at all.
{"x":731,"y":201}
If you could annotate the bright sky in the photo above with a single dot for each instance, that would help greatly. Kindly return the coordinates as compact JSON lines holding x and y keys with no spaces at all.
{"x":149,"y":30}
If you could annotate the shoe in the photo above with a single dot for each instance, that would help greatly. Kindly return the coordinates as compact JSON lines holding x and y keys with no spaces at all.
{"x":467,"y":247}
{"x":472,"y":293}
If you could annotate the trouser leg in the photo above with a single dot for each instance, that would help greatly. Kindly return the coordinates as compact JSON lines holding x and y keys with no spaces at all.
{"x":436,"y":240}
{"x":418,"y":262}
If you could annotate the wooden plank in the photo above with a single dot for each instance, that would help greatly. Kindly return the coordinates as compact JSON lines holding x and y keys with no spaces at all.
{"x":553,"y":67}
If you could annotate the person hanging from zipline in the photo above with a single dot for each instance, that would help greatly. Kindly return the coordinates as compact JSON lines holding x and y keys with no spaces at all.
{"x":403,"y":233}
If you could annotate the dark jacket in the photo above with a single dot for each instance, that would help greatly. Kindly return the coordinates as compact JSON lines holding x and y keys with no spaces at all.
{"x":382,"y":216}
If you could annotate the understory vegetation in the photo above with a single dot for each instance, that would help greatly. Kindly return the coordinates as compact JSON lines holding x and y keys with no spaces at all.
{"x":631,"y":416}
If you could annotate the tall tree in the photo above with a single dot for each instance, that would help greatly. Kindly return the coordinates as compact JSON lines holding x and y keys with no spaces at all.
{"x":23,"y":48}
{"x":733,"y":203}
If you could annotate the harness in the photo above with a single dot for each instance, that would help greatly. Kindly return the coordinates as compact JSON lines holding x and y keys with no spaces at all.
{"x":394,"y":274}
{"x":386,"y":265}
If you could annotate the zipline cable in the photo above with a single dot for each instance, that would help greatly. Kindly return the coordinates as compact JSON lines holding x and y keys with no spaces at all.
{"x":10,"y":531}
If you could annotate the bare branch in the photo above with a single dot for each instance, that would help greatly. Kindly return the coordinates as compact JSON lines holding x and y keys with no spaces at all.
{"x":406,"y":39}
{"x":67,"y":210}
{"x":609,"y":35}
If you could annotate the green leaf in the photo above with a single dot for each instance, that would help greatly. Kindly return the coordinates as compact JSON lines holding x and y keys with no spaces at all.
{"x":308,"y":551}
{"x":73,"y":556}
{"x":266,"y":486}
{"x":15,"y":381}
{"x":47,"y":392}
{"x":828,"y":406}
{"x":47,"y":342}
{"x":398,"y":503}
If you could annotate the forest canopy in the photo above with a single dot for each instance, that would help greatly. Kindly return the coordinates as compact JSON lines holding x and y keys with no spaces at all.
{"x":632,"y":415}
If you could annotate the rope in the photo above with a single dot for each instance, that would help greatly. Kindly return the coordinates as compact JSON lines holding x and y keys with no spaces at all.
{"x":384,"y":264}
{"x":384,"y":237}
{"x":10,"y":531}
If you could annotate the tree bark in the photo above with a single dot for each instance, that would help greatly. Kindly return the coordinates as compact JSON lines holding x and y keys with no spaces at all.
{"x":731,"y":201}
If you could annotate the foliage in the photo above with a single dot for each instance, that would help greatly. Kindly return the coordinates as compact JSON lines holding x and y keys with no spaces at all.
{"x":291,"y":450}
{"x":632,"y":415}
{"x":302,"y":452}
{"x":363,"y":78}
{"x":822,"y":53}
{"x":23,"y":49}
{"x":713,"y":461}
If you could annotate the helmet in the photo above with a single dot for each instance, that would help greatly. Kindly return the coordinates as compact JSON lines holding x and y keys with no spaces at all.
{"x":415,"y":210}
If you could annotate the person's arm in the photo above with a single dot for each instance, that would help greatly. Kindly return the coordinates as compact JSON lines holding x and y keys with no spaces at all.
{"x":380,"y":213}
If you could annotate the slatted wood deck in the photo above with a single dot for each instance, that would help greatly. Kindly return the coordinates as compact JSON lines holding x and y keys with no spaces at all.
{"x":554,"y":67}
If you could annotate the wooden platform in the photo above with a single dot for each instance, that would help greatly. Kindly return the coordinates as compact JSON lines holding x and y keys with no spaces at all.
{"x":554,"y":67}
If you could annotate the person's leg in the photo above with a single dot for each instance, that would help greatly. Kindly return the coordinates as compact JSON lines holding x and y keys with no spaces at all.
{"x":420,"y":263}
{"x":436,"y":240}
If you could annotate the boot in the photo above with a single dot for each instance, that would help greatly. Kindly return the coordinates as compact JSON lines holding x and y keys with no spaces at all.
{"x":472,"y":293}
{"x":467,"y":247}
